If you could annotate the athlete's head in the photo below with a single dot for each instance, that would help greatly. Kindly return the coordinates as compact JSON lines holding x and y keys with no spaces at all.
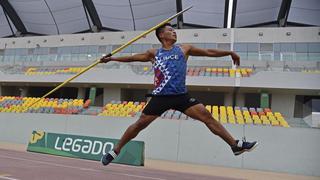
{"x":166,"y":32}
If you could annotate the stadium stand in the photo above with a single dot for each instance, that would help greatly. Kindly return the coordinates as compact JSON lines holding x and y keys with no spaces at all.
{"x":230,"y":115}
{"x":52,"y":70}
{"x":48,"y":105}
{"x":142,"y":70}
{"x":122,"y":109}
{"x":209,"y":71}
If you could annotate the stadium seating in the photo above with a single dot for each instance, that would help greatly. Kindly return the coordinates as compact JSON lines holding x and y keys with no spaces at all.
{"x":204,"y":71}
{"x":147,"y":70}
{"x":52,"y":70}
{"x":223,"y":114}
{"x":122,"y":109}
{"x":47,"y":105}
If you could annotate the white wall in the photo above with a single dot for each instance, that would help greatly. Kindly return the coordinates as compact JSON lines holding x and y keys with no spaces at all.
{"x":291,"y":150}
{"x":284,"y":103}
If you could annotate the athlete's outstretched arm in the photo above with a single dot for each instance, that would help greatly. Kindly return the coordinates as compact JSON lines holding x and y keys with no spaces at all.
{"x":194,"y":51}
{"x":142,"y":57}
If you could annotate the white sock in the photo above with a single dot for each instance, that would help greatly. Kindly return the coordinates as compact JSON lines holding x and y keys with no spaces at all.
{"x":113,"y":154}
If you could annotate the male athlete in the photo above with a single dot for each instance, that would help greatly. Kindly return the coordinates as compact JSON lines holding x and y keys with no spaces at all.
{"x":170,"y":66}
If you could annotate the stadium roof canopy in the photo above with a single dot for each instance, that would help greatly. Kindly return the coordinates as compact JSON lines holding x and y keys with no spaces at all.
{"x":49,"y":17}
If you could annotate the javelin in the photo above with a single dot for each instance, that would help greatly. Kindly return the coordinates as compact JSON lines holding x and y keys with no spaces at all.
{"x":113,"y":52}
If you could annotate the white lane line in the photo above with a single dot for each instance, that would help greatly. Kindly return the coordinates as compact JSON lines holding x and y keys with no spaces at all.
{"x":137,"y":176}
{"x":79,"y":168}
{"x":8,"y":178}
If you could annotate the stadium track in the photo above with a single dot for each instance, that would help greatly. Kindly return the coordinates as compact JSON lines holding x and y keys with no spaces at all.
{"x":21,"y":165}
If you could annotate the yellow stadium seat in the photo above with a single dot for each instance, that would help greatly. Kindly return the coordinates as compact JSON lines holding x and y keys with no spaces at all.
{"x":280,"y":119}
{"x":145,"y":68}
{"x":232,"y":120}
{"x":229,"y":108}
{"x":256,"y":119}
{"x":275,"y":123}
{"x":223,"y":120}
{"x":269,"y":114}
{"x":248,"y":120}
{"x":265,"y":120}
{"x":215,"y":116}
{"x":222,"y":110}
{"x":215,"y":109}
{"x":277,"y":114}
{"x":208,"y":107}
{"x":284,"y":124}
{"x":240,"y":120}
{"x":244,"y":72}
{"x":232,"y":72}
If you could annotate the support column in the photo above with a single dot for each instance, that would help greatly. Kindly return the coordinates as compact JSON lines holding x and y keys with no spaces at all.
{"x":81,"y":93}
{"x":228,"y":99}
{"x":240,"y":100}
{"x":92,"y":95}
{"x":264,"y":100}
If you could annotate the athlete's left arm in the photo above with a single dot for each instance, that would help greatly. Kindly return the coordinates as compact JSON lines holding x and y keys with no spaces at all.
{"x":194,"y":51}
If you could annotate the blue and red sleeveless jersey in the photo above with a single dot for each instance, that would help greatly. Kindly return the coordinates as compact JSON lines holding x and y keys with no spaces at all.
{"x":170,"y":68}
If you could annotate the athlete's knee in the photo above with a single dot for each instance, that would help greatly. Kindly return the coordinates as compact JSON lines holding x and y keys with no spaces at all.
{"x":206,"y":118}
{"x":142,"y":122}
{"x":209,"y":121}
{"x":140,"y":125}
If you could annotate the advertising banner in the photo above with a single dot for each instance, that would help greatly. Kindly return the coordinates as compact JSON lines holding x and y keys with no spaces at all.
{"x":85,"y":147}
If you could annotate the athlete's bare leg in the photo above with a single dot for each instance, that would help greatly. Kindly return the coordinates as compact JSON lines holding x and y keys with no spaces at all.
{"x":133,"y":130}
{"x":199,"y":112}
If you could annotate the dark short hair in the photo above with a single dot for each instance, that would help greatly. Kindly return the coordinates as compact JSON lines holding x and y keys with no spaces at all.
{"x":160,"y":29}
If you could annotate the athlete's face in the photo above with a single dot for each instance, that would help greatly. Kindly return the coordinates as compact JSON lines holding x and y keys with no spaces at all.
{"x":169,"y":34}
